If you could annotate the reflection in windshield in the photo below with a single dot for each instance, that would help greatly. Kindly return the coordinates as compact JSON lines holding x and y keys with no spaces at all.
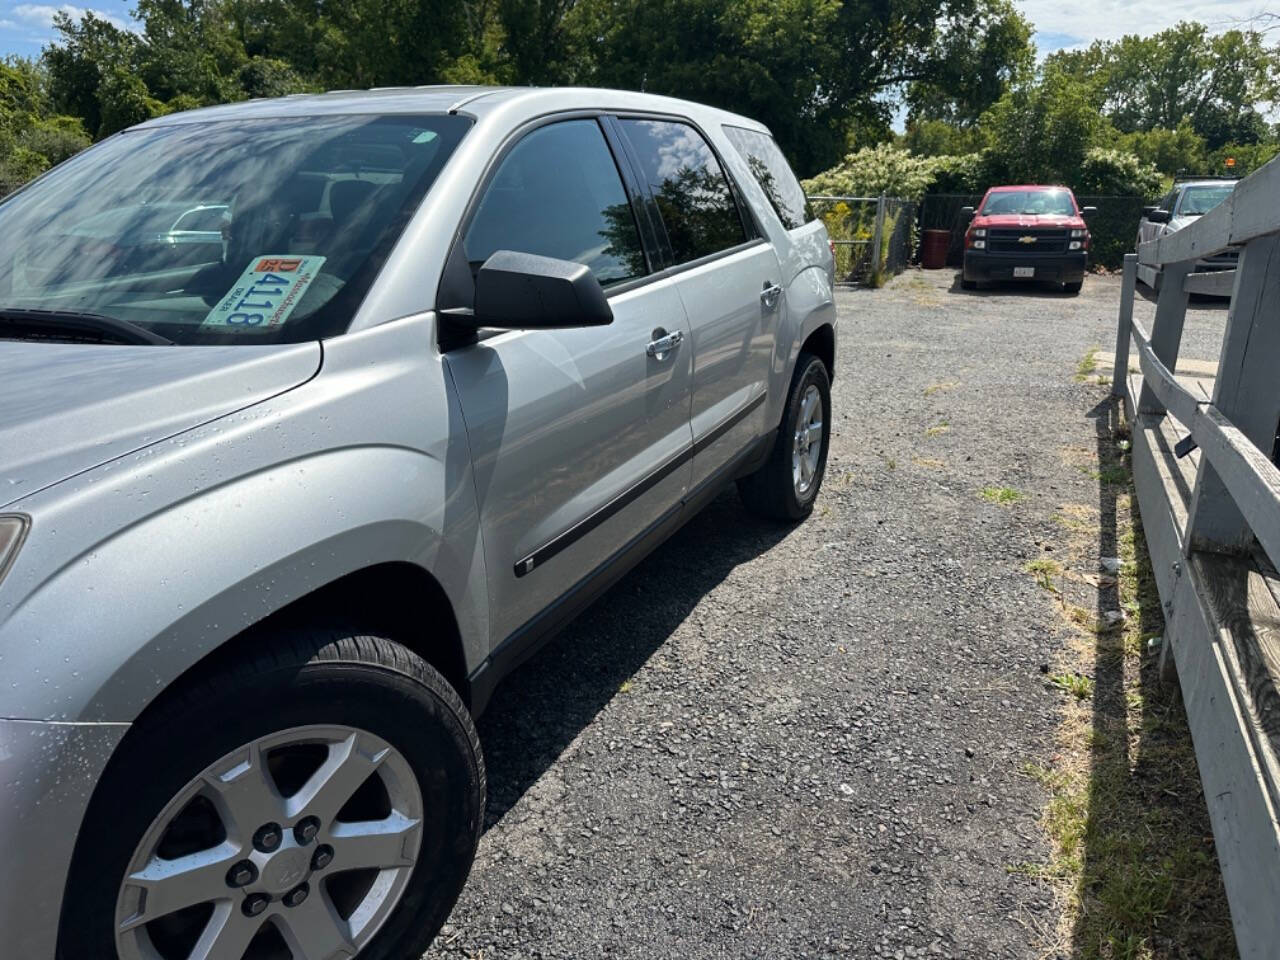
{"x":1030,"y":203}
{"x":226,"y":231}
{"x":1197,"y":201}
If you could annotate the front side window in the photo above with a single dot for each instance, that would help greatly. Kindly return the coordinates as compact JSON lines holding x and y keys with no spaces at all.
{"x":773,"y":173}
{"x":693,"y":196}
{"x":558,"y":194}
{"x":1030,"y":203}
{"x":225,"y":231}
{"x":1197,"y":201}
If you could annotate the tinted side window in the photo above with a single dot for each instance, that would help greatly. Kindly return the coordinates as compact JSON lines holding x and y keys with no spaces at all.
{"x":773,"y":173}
{"x":698,"y":209}
{"x":558,"y":194}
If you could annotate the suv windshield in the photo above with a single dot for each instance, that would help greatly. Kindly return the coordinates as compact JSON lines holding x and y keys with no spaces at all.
{"x":1197,"y":201}
{"x":1030,"y":203}
{"x":229,"y":231}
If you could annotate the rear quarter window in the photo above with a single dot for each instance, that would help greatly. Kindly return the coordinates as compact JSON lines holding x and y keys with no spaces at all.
{"x":770,"y":168}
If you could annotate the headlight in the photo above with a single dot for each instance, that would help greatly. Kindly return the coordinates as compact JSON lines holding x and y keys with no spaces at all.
{"x":980,"y":233}
{"x":12,"y":530}
{"x":979,"y":244}
{"x":1074,"y":245}
{"x":1078,"y":233}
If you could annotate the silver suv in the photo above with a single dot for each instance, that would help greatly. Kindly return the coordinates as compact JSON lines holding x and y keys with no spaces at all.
{"x":283,"y":499}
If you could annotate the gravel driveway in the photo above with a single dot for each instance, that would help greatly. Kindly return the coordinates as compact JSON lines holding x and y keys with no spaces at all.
{"x":809,"y":741}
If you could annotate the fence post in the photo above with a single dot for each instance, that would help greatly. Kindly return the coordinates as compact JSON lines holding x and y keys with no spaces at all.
{"x":1166,"y":329}
{"x":1246,"y":392}
{"x":1120,"y":378}
{"x":875,"y":239}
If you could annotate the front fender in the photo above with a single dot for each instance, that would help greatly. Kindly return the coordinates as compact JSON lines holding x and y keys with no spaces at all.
{"x":134,"y":572}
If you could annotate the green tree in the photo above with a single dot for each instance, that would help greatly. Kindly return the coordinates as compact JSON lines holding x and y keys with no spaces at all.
{"x":1217,"y":83}
{"x":88,"y":51}
{"x":1040,"y":130}
{"x":1171,"y":151}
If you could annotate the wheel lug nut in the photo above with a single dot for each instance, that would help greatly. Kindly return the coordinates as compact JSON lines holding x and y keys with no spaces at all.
{"x":254,"y":904}
{"x":295,"y":896}
{"x":268,"y":837}
{"x":306,"y":829}
{"x":242,"y":874}
{"x":322,"y":857}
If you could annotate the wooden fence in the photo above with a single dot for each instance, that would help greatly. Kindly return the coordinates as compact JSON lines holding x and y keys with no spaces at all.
{"x":1212,"y":521}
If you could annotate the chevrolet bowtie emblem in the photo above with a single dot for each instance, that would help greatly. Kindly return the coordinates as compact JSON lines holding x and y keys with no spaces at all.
{"x":1026,"y":239}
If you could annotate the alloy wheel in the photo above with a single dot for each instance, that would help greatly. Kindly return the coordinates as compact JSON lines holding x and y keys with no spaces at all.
{"x":296,"y":845}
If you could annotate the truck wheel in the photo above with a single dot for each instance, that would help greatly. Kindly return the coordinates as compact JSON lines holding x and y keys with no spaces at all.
{"x":1072,"y":287}
{"x":968,"y":284}
{"x":320,"y":798}
{"x":788,"y":483}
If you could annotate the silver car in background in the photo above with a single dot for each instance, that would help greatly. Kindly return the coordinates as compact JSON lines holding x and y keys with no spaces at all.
{"x":283,"y":499}
{"x":1186,"y":202}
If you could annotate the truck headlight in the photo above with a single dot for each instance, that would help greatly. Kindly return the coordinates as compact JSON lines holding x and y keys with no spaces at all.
{"x":1078,"y":233}
{"x":12,"y":530}
{"x":980,"y":232}
{"x":979,"y":244}
{"x":1075,"y":245}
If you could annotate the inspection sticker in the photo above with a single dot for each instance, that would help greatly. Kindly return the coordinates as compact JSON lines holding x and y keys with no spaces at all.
{"x":265,"y":294}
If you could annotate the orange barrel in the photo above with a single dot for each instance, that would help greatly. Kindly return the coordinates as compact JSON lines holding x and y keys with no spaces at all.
{"x":933,"y":249}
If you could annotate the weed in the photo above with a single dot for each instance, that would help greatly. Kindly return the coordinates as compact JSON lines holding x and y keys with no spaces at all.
{"x":938,"y":430}
{"x":1088,"y":365}
{"x":1000,"y":495}
{"x":1045,"y":572}
{"x":1079,"y":686}
{"x":933,"y":388}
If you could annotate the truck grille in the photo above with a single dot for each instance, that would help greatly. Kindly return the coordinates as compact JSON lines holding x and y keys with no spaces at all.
{"x":1012,"y":241}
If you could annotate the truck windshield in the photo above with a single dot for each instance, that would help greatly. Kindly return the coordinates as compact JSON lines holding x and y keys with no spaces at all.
{"x":227,"y":231}
{"x":1197,"y":201}
{"x":1030,"y":203}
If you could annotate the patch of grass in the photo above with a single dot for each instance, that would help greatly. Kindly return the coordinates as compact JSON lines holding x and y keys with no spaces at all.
{"x":1045,"y":572}
{"x":891,"y":463}
{"x":938,"y":430}
{"x":1115,"y":475}
{"x":1000,"y":495}
{"x":928,"y":462}
{"x":1088,"y":365}
{"x":933,"y":388}
{"x":1132,"y":853}
{"x":1078,"y":685}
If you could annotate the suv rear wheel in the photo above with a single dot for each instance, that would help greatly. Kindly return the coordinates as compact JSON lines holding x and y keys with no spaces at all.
{"x":324,"y":799}
{"x":786,"y":487}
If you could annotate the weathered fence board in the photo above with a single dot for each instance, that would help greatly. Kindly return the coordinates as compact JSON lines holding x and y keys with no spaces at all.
{"x":1219,"y":590}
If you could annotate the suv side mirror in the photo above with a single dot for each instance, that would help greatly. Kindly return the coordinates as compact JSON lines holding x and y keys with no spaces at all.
{"x":966,"y":213}
{"x":1158,"y":216}
{"x":1088,"y":211}
{"x":523,"y":291}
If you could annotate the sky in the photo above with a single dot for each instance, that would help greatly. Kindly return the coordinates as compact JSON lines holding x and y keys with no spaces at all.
{"x":26,"y":27}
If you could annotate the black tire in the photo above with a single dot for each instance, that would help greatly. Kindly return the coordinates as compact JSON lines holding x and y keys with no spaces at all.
{"x":304,"y":677}
{"x":968,"y":284}
{"x":1073,"y":287}
{"x":770,"y":491}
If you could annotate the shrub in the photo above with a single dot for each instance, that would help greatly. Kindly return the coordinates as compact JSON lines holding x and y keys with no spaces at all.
{"x":875,"y":170}
{"x":1117,"y":173}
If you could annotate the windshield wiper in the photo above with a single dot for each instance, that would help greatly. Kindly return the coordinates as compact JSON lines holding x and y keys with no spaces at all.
{"x":73,"y":325}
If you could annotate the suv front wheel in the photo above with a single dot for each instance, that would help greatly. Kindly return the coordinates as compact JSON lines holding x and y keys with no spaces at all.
{"x":322,"y":799}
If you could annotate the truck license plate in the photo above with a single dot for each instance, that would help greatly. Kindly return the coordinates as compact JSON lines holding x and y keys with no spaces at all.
{"x":1024,"y":272}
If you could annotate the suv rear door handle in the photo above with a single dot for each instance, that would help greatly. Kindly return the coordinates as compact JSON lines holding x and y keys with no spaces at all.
{"x":769,"y":295}
{"x":663,"y":343}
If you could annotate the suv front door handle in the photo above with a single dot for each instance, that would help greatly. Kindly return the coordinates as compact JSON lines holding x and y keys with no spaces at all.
{"x":769,"y":295}
{"x":663,"y":343}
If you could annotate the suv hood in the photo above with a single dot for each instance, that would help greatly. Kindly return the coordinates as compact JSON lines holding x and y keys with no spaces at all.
{"x":1015,"y":220}
{"x":65,"y":408}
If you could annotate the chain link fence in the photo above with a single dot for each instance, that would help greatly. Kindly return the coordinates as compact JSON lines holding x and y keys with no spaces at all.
{"x":1112,"y":229}
{"x":874,"y":236}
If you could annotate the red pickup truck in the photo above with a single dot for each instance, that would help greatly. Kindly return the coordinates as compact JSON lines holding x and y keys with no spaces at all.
{"x":1026,"y":233}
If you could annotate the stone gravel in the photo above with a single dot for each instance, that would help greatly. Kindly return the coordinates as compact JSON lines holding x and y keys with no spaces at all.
{"x":809,"y":741}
